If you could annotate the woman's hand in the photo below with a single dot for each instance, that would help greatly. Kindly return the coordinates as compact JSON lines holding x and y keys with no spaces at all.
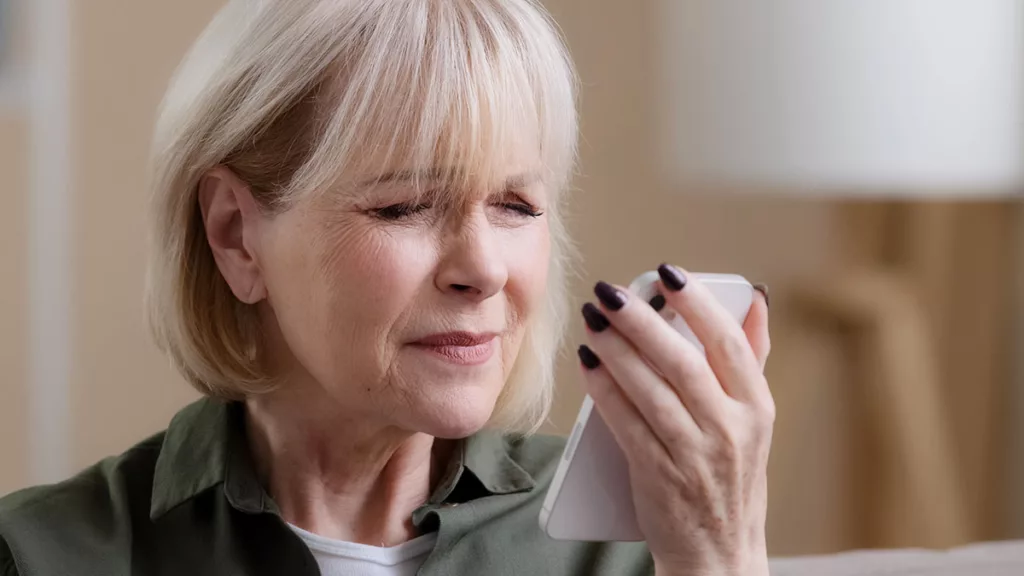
{"x":696,"y":430}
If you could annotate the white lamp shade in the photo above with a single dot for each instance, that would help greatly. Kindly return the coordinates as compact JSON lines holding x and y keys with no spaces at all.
{"x":844,"y":96}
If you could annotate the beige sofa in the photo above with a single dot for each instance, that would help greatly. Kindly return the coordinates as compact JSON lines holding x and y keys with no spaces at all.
{"x":989,"y":559}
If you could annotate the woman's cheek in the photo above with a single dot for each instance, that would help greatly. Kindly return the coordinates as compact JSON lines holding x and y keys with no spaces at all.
{"x":392,"y":257}
{"x":342,"y":247}
{"x":527,"y":254}
{"x":373,"y":273}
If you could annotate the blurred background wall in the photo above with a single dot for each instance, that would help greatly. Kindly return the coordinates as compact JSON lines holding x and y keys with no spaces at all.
{"x":841,"y":477}
{"x":120,"y":389}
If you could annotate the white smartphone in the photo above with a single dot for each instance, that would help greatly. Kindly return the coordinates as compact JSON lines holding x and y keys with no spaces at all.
{"x":590,"y":497}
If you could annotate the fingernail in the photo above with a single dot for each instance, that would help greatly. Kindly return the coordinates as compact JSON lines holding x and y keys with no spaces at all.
{"x":658,"y":302}
{"x":588,"y":358}
{"x":763,"y":289}
{"x":610,"y":296}
{"x":597,"y":321}
{"x":672,"y":277}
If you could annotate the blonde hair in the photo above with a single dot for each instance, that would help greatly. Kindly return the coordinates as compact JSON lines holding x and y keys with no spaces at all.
{"x":297,"y":95}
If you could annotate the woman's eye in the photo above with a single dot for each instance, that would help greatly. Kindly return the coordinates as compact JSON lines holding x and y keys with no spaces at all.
{"x":399,"y":211}
{"x":522,"y":208}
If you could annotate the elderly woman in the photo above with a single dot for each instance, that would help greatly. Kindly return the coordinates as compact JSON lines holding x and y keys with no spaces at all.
{"x":360,"y":259}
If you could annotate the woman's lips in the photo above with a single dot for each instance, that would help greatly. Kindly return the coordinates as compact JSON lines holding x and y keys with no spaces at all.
{"x":465,"y":348}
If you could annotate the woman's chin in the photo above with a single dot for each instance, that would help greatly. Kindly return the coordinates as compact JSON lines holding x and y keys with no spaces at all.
{"x":455,"y":418}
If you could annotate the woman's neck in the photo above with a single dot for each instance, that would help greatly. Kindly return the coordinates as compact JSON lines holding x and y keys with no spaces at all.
{"x":339,"y":476}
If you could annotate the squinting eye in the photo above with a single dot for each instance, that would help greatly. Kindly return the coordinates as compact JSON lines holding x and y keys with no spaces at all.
{"x":399,"y":211}
{"x":522,"y":208}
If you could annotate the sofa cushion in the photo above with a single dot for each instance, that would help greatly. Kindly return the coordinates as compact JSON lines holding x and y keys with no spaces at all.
{"x":988,"y":559}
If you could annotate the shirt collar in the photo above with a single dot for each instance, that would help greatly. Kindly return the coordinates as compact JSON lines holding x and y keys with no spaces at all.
{"x":198,"y":446}
{"x":489,"y":455}
{"x":204,"y":447}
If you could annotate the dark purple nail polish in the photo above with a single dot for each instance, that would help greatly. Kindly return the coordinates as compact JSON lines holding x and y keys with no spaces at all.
{"x":588,"y":358}
{"x":672,"y":277}
{"x":596,"y":320}
{"x":610,"y":296}
{"x":763,"y":289}
{"x":658,"y":302}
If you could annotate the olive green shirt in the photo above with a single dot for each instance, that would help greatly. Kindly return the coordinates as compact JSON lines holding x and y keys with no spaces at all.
{"x":187,"y":502}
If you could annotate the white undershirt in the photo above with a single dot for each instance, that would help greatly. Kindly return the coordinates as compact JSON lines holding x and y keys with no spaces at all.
{"x":340,"y":558}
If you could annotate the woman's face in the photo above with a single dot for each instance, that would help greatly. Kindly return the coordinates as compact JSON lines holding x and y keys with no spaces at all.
{"x":409,"y":311}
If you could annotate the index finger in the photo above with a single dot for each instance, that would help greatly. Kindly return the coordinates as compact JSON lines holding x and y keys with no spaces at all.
{"x":728,"y":352}
{"x":756,"y":327}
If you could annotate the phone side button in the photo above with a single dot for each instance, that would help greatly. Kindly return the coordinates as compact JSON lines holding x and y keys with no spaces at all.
{"x":574,"y":439}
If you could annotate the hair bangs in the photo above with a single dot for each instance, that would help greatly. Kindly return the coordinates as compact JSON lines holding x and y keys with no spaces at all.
{"x":467,"y":92}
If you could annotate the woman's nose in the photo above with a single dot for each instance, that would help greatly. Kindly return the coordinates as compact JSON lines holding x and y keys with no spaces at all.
{"x":473,"y":265}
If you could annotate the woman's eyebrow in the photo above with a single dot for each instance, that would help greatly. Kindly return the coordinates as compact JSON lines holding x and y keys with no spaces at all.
{"x":521,"y":180}
{"x":405,"y":176}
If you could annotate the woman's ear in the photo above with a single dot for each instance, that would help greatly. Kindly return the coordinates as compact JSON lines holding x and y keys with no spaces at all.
{"x":233,"y":226}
